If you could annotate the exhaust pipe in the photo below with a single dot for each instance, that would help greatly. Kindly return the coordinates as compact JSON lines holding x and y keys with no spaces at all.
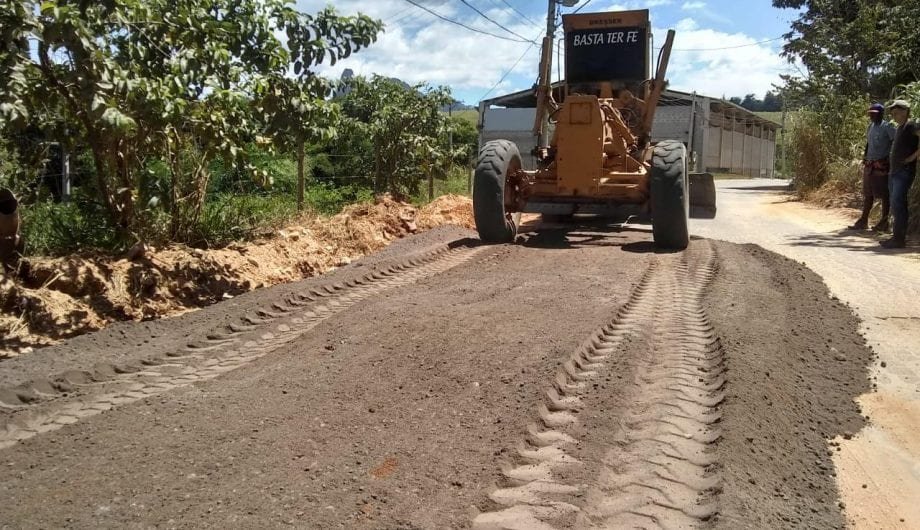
{"x":11,"y":243}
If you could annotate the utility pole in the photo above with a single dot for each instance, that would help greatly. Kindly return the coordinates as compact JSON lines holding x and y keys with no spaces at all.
{"x":782,"y":138}
{"x":545,"y":80}
{"x":690,"y":132}
{"x":65,"y":174}
{"x":545,"y":83}
{"x":300,"y":175}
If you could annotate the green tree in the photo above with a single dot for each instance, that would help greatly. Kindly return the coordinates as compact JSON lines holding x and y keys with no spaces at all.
{"x":182,"y":81}
{"x":853,"y":47}
{"x":398,"y":133}
{"x":465,"y":140}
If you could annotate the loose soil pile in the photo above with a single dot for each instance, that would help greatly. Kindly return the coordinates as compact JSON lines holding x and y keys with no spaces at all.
{"x":57,"y":298}
{"x":795,"y":364}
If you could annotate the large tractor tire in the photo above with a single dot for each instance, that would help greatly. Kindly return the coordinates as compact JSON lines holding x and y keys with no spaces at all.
{"x":497,"y":160}
{"x":670,"y":197}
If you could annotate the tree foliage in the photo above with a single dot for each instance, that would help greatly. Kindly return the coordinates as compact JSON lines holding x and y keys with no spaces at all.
{"x":771,"y":102}
{"x":177,"y":81}
{"x":853,"y":47}
{"x":856,"y":52}
{"x":397,"y":134}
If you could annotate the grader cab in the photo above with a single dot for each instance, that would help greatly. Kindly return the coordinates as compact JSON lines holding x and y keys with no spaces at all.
{"x":600,"y":155}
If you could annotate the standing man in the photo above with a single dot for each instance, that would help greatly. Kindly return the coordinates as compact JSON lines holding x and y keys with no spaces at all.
{"x":879,"y":138}
{"x":904,"y":152}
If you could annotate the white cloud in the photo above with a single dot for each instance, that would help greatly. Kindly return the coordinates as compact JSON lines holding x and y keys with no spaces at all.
{"x":717,"y":63}
{"x":693,"y":5}
{"x":417,"y":47}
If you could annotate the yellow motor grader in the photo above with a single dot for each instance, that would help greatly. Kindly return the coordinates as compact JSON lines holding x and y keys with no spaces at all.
{"x":600,"y":153}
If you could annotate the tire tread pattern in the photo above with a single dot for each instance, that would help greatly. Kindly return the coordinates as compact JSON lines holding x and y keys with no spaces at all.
{"x":495,"y":159}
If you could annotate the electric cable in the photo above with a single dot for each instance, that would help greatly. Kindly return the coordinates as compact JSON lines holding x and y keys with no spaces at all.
{"x":508,"y":72}
{"x":724,"y":47}
{"x":483,"y":15}
{"x":525,"y":17}
{"x":462,"y":25}
{"x":582,"y":6}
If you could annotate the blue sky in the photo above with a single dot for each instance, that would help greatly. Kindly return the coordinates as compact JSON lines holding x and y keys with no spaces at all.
{"x":719,"y":44}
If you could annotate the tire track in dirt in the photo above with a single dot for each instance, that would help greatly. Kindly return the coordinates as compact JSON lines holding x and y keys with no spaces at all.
{"x":45,"y":406}
{"x":658,"y":471}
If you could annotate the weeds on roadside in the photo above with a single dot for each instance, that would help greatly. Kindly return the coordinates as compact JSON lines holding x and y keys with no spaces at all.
{"x":827,"y":144}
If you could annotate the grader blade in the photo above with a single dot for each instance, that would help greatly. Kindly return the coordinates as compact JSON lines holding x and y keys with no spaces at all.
{"x":702,"y":196}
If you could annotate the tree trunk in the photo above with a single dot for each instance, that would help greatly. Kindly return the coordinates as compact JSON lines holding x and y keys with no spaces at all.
{"x":300,"y":178}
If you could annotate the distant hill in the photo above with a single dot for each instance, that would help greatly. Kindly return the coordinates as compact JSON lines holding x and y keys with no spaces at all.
{"x":348,"y":73}
{"x":458,"y":106}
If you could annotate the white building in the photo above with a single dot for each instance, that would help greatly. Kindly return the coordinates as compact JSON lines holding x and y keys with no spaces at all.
{"x":722,"y":137}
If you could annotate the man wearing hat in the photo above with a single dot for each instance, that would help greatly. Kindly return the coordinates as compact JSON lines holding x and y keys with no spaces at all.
{"x":903,"y":160}
{"x":879,"y":138}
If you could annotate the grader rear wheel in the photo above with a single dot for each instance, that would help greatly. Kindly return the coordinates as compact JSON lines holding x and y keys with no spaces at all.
{"x":492,"y":191}
{"x":670,"y":197}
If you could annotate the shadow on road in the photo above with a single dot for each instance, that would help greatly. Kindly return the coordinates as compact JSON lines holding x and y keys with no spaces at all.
{"x":764,"y":188}
{"x":847,"y":239}
{"x":584,"y":233}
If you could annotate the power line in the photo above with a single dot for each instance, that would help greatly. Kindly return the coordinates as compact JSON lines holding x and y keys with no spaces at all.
{"x":724,"y":47}
{"x":508,"y":72}
{"x":462,"y":25}
{"x":407,"y":18}
{"x":581,"y":6}
{"x":395,"y":16}
{"x":525,"y":17}
{"x":483,"y":15}
{"x":559,"y":12}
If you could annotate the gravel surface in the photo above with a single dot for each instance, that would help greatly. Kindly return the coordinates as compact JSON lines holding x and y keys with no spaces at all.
{"x":427,"y":386}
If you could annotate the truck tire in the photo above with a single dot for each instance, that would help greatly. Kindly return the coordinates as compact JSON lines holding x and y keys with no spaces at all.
{"x":670,"y":198}
{"x":497,"y":159}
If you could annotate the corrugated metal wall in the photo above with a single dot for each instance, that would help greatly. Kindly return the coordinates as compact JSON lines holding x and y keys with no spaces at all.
{"x":511,"y":124}
{"x":725,"y":138}
{"x":740,"y":144}
{"x":672,"y":123}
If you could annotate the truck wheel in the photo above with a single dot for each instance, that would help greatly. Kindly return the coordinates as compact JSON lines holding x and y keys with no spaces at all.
{"x":491,"y":191}
{"x":670,"y":198}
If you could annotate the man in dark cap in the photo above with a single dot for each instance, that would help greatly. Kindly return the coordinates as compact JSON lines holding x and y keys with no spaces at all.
{"x":903,"y":159}
{"x":879,"y":138}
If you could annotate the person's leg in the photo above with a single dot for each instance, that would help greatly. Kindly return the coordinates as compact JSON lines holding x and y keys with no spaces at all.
{"x":863,"y":222}
{"x":886,"y":206}
{"x":880,"y":182}
{"x":900,"y":182}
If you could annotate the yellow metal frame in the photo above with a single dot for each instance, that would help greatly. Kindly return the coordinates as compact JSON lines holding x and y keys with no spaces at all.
{"x":600,"y":150}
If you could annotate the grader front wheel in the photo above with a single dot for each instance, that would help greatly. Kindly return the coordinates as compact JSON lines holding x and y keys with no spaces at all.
{"x":492,"y":191}
{"x":670,"y":197}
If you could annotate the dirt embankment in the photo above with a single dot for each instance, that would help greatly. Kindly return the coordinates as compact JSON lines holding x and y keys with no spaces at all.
{"x":56,"y":298}
{"x":836,"y":194}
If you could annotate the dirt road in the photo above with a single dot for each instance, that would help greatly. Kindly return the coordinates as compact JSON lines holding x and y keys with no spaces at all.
{"x":573,"y":379}
{"x":879,"y":469}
